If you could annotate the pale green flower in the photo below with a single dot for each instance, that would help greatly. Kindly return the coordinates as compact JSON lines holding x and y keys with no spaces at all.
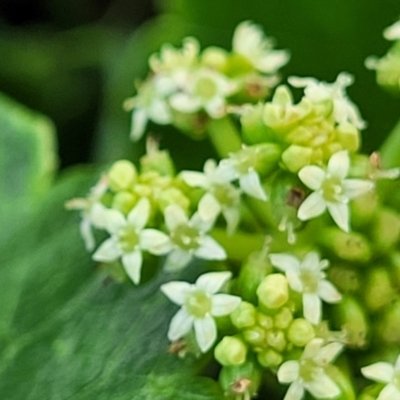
{"x":309,"y":372}
{"x":222,"y":196}
{"x":189,"y":238}
{"x":200,"y":304}
{"x":129,"y":238}
{"x":250,"y":42}
{"x":392,"y":32}
{"x":331,"y":190}
{"x":385,"y":372}
{"x":308,"y":278}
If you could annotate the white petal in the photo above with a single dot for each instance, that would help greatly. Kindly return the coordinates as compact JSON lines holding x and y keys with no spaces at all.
{"x":108,"y":251}
{"x":328,"y":292}
{"x":114,"y":221}
{"x":209,"y":208}
{"x":340,"y":214}
{"x":209,"y":249}
{"x":273,"y":61}
{"x":176,"y":291}
{"x":180,"y":325}
{"x":211,"y":282}
{"x":392,"y":32}
{"x":139,"y":215}
{"x":250,"y":184}
{"x":206,"y":332}
{"x":295,"y":391}
{"x":313,"y":347}
{"x":285,"y":262}
{"x":311,"y":261}
{"x":132,"y":263}
{"x":356,"y":187}
{"x":226,"y":171}
{"x":159,"y":112}
{"x":139,"y":122}
{"x":223,"y":304}
{"x":380,"y":372}
{"x":174,"y":216}
{"x":322,"y":387}
{"x":177,"y":260}
{"x":328,"y":353}
{"x":193,"y":178}
{"x":98,"y":215}
{"x":294,"y":281}
{"x":184,"y":103}
{"x":313,"y":206}
{"x":312,"y":176}
{"x":289,"y":371}
{"x":215,"y":107}
{"x":155,"y":242}
{"x":312,"y":307}
{"x":397,"y":363}
{"x":232,"y":217}
{"x":87,"y":234}
{"x":389,"y":392}
{"x":339,"y":164}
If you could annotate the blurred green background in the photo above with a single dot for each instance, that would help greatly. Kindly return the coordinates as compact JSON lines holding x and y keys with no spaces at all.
{"x":77,"y":60}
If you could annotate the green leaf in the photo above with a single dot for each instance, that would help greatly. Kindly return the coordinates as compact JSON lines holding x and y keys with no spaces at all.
{"x":67,"y":331}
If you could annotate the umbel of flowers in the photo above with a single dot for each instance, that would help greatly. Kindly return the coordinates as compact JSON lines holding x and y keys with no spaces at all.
{"x":291,"y":222}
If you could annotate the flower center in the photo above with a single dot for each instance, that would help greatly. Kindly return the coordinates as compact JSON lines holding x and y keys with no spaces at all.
{"x":245,"y":160}
{"x":332,"y":189}
{"x":128,"y":238}
{"x":198,"y":304}
{"x":185,"y":237}
{"x":225,"y":195}
{"x":205,"y":88}
{"x":309,"y":280}
{"x":308,"y":369}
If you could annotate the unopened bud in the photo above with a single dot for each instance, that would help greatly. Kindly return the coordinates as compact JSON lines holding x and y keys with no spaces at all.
{"x":300,"y":332}
{"x":273,"y":291}
{"x":378,"y":290}
{"x":385,"y":230}
{"x":254,"y":129}
{"x":255,"y":336}
{"x":121,"y":175}
{"x":276,"y":339}
{"x":269,"y":358}
{"x":157,"y":161}
{"x":124,"y":201}
{"x":230,"y":351}
{"x":283,"y":318}
{"x":244,"y":315}
{"x":349,"y":136}
{"x":296,"y":157}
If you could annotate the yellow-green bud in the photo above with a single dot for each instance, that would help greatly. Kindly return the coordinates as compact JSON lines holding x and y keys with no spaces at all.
{"x":215,"y":58}
{"x":363,"y":208}
{"x":273,"y":291}
{"x":300,"y":332}
{"x":124,"y":201}
{"x":230,"y":351}
{"x":349,"y":136}
{"x":255,"y":336}
{"x":296,"y":157}
{"x":269,"y":358}
{"x":389,"y":326}
{"x":244,"y":315}
{"x":265,"y":321}
{"x":157,"y":161}
{"x":283,"y":318}
{"x":122,"y":175}
{"x":378,"y":290}
{"x":171,"y":196}
{"x":350,"y":246}
{"x":385,"y":230}
{"x":276,"y":339}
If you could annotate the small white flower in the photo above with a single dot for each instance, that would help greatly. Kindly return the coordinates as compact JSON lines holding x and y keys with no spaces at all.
{"x":250,"y":42}
{"x":221,"y":195}
{"x":204,"y":89}
{"x":128,"y":239}
{"x":200,"y":304}
{"x":344,"y":110}
{"x":392,"y":32}
{"x":308,"y":277}
{"x":331,"y":190}
{"x":189,"y":238}
{"x":386,"y":373}
{"x":92,"y":212}
{"x":308,"y":373}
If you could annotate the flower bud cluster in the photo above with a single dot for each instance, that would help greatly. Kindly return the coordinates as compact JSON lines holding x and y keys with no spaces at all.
{"x":188,"y":87}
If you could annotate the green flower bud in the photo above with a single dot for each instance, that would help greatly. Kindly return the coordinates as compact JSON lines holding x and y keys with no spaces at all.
{"x":300,"y":332}
{"x":350,"y":246}
{"x":124,"y":201}
{"x":122,"y":175}
{"x":157,"y":161}
{"x":238,"y":65}
{"x":269,"y":358}
{"x":230,"y":351}
{"x":215,"y":58}
{"x":170,"y":196}
{"x":265,"y":321}
{"x":385,"y":230}
{"x":240,"y":379}
{"x":363,"y":209}
{"x":273,"y":291}
{"x":348,"y":136}
{"x":389,"y":325}
{"x":276,"y":339}
{"x":378,"y":290}
{"x":296,"y":157}
{"x":255,"y":336}
{"x":283,"y":318}
{"x":244,"y":315}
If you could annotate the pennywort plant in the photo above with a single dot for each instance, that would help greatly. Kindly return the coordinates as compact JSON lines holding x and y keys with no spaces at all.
{"x":300,"y":246}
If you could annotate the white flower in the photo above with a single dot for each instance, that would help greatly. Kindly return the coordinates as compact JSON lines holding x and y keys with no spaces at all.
{"x":188,"y":238}
{"x":250,"y":42}
{"x":200,"y":304}
{"x":331,"y":190}
{"x":392,"y":32}
{"x":343,"y":109}
{"x":308,"y":373}
{"x":242,"y":165}
{"x":204,"y":89}
{"x":308,"y":277}
{"x":385,"y":373}
{"x":128,"y":239}
{"x":221,"y":195}
{"x":93,"y":212}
